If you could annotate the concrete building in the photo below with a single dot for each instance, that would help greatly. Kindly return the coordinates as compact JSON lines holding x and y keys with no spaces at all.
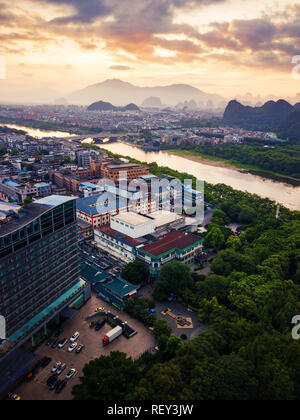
{"x":133,"y":171}
{"x":132,"y":224}
{"x":97,"y":210}
{"x":117,"y":244}
{"x":43,"y":189}
{"x":183,"y":247}
{"x":83,"y":158}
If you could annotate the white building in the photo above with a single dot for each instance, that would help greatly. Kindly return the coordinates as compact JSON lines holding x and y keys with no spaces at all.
{"x":116,"y":244}
{"x":132,"y":224}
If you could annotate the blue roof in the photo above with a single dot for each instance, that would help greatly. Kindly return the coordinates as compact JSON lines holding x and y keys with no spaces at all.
{"x":97,"y":204}
{"x":11,"y":183}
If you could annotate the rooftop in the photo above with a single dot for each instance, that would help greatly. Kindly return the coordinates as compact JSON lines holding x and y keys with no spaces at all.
{"x":31,"y":212}
{"x":133,"y":219}
{"x":173,"y":240}
{"x":163,"y":218}
{"x":97,"y":204}
{"x":119,"y":236}
{"x":120,"y":287}
{"x":54,"y":200}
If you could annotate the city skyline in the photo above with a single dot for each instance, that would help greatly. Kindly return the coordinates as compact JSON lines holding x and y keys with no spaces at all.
{"x":229,"y":47}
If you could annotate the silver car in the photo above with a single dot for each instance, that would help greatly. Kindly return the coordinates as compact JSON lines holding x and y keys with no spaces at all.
{"x":70,"y":374}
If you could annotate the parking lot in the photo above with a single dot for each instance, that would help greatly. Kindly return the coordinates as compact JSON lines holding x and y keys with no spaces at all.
{"x":92,"y":340}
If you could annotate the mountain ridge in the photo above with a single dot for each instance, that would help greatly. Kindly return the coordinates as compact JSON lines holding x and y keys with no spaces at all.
{"x":279,"y":116}
{"x":107,"y":106}
{"x":119,"y":92}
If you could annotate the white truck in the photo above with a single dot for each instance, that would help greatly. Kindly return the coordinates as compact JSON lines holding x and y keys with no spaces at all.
{"x":112,"y":335}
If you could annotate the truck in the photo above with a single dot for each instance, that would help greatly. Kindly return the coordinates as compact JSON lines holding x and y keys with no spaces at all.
{"x":112,"y":335}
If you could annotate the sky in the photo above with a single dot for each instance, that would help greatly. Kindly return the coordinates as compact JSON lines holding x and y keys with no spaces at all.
{"x":229,"y":47}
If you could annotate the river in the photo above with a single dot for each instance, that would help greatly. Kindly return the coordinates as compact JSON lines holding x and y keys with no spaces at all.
{"x":37,"y":133}
{"x":280,"y":192}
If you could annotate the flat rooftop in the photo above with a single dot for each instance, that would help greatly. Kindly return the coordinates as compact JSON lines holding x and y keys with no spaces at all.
{"x":133,"y":219}
{"x":163,"y":218}
{"x":173,"y":240}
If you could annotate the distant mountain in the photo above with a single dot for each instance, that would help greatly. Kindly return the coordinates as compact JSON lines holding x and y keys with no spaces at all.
{"x":106,"y":106}
{"x":269,"y":116}
{"x":152,"y":102}
{"x":290,"y":128}
{"x":119,"y":93}
{"x":278,"y":116}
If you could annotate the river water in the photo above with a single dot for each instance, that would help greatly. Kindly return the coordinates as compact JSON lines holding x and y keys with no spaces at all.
{"x":37,"y":133}
{"x":280,"y":192}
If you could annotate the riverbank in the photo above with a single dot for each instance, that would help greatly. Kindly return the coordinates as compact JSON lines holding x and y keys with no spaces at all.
{"x":221,"y":163}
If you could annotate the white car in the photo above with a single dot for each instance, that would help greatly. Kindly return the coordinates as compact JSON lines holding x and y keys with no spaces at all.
{"x":70,"y":374}
{"x":75,"y":337}
{"x":72,"y":347}
{"x":62,"y":344}
{"x":55,"y":367}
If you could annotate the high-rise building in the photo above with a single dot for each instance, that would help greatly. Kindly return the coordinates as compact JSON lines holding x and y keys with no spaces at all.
{"x":39,"y":266}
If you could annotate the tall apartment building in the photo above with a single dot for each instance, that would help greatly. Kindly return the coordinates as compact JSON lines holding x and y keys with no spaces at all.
{"x":39,"y":266}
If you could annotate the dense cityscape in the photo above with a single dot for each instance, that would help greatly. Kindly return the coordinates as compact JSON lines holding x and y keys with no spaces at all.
{"x":149,"y":242}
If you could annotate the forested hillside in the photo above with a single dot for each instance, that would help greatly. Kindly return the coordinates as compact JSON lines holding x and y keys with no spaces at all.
{"x":248,"y":300}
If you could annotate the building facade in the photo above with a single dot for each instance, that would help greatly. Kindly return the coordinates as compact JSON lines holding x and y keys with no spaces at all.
{"x":183,"y":247}
{"x":39,"y":264}
{"x":116,"y":243}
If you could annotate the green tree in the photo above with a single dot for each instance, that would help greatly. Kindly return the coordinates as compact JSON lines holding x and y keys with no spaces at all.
{"x":111,"y":377}
{"x":174,"y":277}
{"x":27,"y":200}
{"x":162,"y":328}
{"x":214,"y":238}
{"x":220,"y":218}
{"x":136,"y":272}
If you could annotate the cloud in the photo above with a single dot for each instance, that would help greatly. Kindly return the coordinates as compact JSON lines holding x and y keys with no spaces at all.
{"x":120,"y":68}
{"x":138,"y":28}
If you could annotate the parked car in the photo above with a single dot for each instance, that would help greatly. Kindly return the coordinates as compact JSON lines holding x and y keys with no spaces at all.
{"x":79,"y":349}
{"x":62,"y":343}
{"x":14,"y":397}
{"x":55,"y":344}
{"x":53,"y":384}
{"x":72,"y":347}
{"x":55,"y":367}
{"x":70,"y":374}
{"x":61,"y":369}
{"x":75,"y":337}
{"x":61,"y":386}
{"x":51,"y":380}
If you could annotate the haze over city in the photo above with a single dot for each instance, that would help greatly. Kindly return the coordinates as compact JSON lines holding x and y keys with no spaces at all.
{"x":225,"y":47}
